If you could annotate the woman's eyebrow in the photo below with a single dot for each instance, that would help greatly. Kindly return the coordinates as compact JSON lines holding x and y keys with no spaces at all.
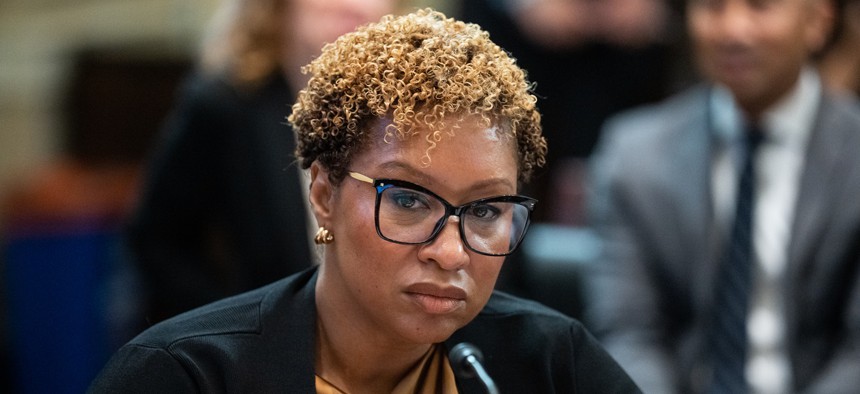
{"x":424,"y":179}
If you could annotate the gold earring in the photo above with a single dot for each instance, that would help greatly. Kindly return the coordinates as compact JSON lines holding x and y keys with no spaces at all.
{"x":323,"y":236}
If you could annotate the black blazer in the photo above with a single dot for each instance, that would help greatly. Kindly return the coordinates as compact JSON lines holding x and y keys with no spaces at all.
{"x":222,"y":211}
{"x":263,"y":342}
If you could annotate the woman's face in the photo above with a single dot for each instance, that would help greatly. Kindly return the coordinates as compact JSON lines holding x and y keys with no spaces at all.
{"x":415,"y":294}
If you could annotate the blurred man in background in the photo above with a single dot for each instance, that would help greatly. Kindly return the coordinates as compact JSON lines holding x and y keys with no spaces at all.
{"x":729,"y":216}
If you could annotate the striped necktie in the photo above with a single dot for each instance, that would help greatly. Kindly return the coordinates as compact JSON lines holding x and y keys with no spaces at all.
{"x":728,"y":336}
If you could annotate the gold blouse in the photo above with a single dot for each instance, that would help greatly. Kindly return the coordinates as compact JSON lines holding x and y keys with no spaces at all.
{"x":433,"y":374}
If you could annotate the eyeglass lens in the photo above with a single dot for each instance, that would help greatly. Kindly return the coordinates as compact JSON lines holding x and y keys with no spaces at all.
{"x":410,"y":216}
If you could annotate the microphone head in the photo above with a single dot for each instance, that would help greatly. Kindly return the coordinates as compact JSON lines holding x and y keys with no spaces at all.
{"x":459,"y":357}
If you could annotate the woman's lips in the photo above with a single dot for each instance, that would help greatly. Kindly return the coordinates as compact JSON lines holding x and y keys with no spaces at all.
{"x":435,"y":299}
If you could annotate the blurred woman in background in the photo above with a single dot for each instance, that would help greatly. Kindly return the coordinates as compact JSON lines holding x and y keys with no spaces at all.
{"x":222,"y":208}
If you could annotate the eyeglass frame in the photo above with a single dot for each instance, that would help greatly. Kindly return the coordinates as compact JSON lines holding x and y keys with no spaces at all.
{"x":450,"y":210}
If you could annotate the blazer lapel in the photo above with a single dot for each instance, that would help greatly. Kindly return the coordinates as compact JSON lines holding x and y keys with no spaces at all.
{"x":827,"y":161}
{"x":695,"y":207}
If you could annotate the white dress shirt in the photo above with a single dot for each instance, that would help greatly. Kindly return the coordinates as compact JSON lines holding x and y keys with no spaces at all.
{"x":779,"y":164}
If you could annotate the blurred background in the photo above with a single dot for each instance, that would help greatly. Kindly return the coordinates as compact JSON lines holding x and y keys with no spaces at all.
{"x":84,"y":87}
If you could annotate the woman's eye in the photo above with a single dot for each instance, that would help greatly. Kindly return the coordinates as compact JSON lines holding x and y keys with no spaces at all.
{"x":407,"y":199}
{"x":484,"y":212}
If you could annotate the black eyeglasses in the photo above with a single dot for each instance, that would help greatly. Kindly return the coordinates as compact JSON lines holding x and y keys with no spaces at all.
{"x":410,"y":214}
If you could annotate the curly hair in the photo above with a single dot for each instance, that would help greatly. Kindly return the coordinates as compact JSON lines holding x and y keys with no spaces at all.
{"x":417,"y":70}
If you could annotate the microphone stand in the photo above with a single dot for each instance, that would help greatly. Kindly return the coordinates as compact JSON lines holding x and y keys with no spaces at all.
{"x":466,"y":361}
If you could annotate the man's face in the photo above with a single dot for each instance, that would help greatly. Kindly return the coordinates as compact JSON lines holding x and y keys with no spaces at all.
{"x":756,"y":48}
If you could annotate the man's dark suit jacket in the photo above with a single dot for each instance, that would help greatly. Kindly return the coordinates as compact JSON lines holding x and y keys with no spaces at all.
{"x":651,"y":293}
{"x":222,"y":211}
{"x":263,"y":342}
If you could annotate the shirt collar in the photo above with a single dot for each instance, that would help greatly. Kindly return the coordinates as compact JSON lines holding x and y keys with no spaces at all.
{"x":787,"y":122}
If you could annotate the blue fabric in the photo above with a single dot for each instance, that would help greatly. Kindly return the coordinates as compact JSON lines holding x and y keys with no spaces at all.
{"x":56,"y":282}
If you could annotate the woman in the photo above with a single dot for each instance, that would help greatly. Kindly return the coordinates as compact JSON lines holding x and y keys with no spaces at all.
{"x":222,"y":210}
{"x":417,"y":131}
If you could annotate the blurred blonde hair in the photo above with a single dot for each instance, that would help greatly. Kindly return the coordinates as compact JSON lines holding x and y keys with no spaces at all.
{"x":243,"y":41}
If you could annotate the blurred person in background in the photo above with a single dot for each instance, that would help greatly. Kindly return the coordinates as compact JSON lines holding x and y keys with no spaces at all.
{"x":222,"y":208}
{"x":589,"y":59}
{"x":729,"y":216}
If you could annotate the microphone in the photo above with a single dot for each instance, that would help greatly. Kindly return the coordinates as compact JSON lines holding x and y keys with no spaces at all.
{"x":466,"y":361}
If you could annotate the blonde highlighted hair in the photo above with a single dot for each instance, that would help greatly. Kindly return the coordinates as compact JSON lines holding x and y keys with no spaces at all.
{"x":421,"y":69}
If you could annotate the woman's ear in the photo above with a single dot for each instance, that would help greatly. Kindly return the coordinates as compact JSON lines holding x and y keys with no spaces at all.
{"x":321,"y":194}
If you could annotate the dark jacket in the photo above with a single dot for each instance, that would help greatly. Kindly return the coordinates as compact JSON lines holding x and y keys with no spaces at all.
{"x":263,"y":342}
{"x":222,"y":211}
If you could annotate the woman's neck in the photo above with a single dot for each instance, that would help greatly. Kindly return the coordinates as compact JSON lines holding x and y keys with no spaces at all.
{"x":353,"y":357}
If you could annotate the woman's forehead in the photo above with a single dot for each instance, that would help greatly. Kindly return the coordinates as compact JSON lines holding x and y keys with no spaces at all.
{"x":429,"y":128}
{"x":470,"y":145}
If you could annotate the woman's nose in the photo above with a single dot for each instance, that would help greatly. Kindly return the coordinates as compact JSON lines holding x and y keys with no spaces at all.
{"x":447,"y":250}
